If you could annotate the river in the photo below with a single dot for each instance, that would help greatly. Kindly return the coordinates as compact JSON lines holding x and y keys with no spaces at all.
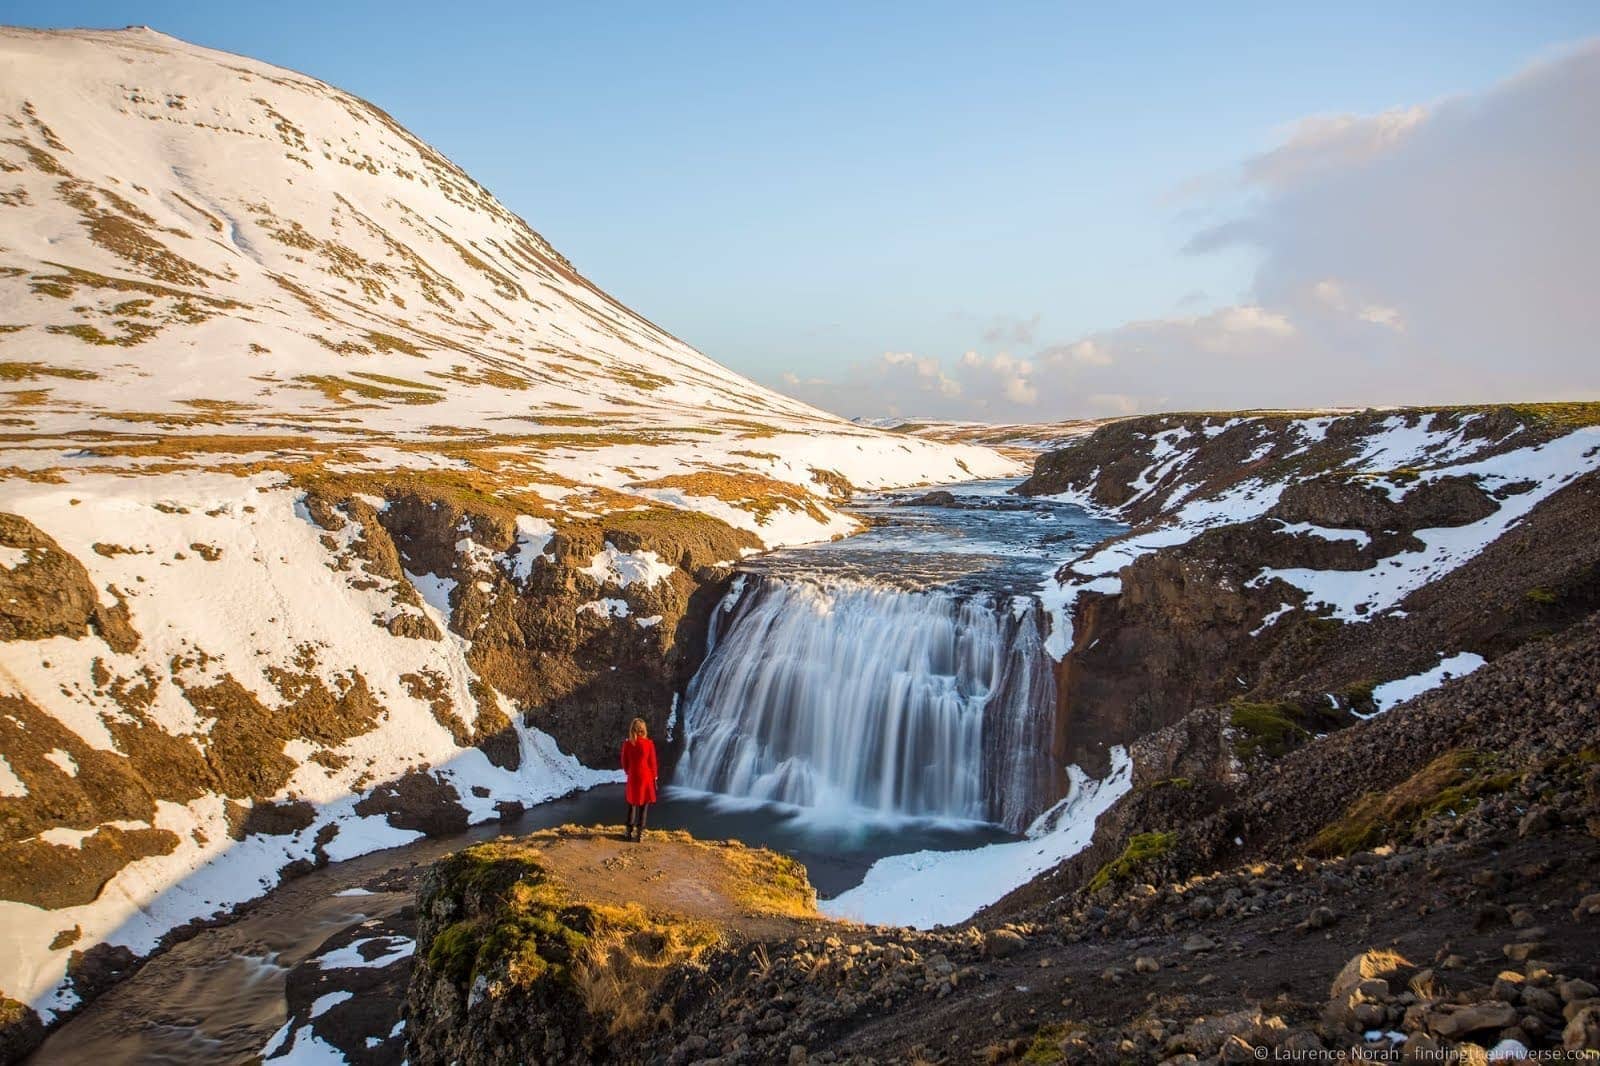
{"x":909,"y":632}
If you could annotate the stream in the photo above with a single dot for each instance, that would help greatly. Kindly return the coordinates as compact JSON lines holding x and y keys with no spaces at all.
{"x":888,"y":718}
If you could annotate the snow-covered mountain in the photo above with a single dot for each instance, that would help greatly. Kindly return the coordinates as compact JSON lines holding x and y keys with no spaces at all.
{"x":198,"y":241}
{"x":336,"y":505}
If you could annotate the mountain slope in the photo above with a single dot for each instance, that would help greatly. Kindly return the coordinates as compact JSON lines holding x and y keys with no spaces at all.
{"x":242,"y":207}
{"x":198,"y":241}
{"x":335,"y":506}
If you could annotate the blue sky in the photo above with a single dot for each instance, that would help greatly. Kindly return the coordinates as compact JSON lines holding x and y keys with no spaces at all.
{"x":803,"y":188}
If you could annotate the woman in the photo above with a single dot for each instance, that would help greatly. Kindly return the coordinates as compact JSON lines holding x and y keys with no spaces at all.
{"x":639,"y":763}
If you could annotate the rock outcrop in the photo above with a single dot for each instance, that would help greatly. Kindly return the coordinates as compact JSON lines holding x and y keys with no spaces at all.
{"x":574,"y":945}
{"x":1230,"y":587}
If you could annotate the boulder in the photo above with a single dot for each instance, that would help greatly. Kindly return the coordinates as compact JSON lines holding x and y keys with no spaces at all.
{"x":1003,"y":943}
{"x":1456,"y":1020}
{"x":1378,"y":963}
{"x":1583,"y":1031}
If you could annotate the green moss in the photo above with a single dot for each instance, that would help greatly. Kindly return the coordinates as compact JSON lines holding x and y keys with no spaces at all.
{"x":1358,"y":695}
{"x":520,"y":921}
{"x":1265,"y":729}
{"x":1142,"y":848}
{"x":454,"y":951}
{"x":1182,"y":784}
{"x":1542,"y":596}
{"x":517,"y":922}
{"x":1451,"y":784}
{"x":1045,"y":1048}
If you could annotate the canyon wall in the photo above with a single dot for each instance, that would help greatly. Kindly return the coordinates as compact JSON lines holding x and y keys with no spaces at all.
{"x":1286,"y":567}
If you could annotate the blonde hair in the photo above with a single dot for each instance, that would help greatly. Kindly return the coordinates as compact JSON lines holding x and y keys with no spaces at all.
{"x":638,"y":729}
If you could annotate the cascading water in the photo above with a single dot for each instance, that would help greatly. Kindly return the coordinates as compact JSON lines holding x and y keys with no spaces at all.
{"x":846,"y":694}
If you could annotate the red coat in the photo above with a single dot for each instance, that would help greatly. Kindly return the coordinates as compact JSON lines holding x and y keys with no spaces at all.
{"x":639,"y":763}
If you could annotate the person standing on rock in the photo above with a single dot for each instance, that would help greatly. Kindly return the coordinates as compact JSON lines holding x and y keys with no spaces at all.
{"x":639,"y":763}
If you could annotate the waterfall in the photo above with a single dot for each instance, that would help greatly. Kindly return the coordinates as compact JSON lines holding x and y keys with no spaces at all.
{"x":849,"y":695}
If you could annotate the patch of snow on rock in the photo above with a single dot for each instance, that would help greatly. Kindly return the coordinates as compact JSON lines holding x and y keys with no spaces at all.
{"x":1393,"y":693}
{"x":929,"y":888}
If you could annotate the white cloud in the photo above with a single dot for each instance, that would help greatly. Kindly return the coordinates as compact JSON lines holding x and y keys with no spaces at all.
{"x":1379,"y":315}
{"x":1020,"y":390}
{"x":1324,"y":142}
{"x":1447,"y":252}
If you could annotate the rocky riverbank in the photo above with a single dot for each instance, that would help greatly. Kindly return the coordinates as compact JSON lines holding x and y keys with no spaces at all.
{"x":1428,"y":879}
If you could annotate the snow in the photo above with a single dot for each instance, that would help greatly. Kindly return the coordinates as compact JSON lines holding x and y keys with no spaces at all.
{"x":1359,"y":537}
{"x":1393,"y":693}
{"x":326,"y":1002}
{"x":1352,"y":595}
{"x":304,"y":1048}
{"x":1272,"y":616}
{"x":13,"y":558}
{"x":606,"y":608}
{"x":63,"y":760}
{"x":62,"y":837}
{"x":1097,"y":571}
{"x":349,"y":957}
{"x":620,"y":568}
{"x":1509,"y":1050}
{"x":928,"y":888}
{"x":10,"y":783}
{"x":243,"y":610}
{"x":533,"y":537}
{"x":1401,"y":442}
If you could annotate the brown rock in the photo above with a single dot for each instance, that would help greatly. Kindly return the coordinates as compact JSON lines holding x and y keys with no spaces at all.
{"x":1576,"y":989}
{"x":1583,"y":1031}
{"x":1378,"y":963}
{"x":20,"y":1030}
{"x":1456,"y":1020}
{"x":1003,"y":943}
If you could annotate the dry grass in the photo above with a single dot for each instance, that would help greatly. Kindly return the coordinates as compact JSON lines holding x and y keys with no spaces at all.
{"x":123,"y":232}
{"x":629,"y":957}
{"x":132,"y":333}
{"x":1449,"y":785}
{"x":761,"y":496}
{"x":334,"y":388}
{"x":14,"y":371}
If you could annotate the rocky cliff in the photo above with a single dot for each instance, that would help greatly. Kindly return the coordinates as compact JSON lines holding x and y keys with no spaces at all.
{"x":1303,"y":570}
{"x":576,"y":946}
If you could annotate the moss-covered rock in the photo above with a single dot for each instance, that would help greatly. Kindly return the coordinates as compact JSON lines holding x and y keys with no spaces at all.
{"x":1449,"y":785}
{"x":20,"y":1030}
{"x":524,"y":955}
{"x":1141,"y":850}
